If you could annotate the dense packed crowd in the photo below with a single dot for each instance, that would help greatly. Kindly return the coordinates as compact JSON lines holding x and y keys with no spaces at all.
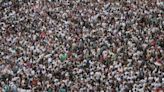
{"x":81,"y":45}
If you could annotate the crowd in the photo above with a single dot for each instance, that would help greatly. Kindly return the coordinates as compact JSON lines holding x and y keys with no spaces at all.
{"x":81,"y":45}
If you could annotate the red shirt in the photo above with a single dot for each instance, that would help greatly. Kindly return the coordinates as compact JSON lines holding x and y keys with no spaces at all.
{"x":153,"y":43}
{"x":159,"y":90}
{"x":43,"y":34}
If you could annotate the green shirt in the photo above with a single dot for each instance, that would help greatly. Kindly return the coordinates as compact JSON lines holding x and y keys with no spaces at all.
{"x":113,"y":55}
{"x":62,"y":90}
{"x":74,"y":55}
{"x":6,"y":88}
{"x":50,"y":90}
{"x":63,"y":57}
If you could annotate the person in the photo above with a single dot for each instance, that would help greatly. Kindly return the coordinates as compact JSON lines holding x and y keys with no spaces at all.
{"x":1,"y":87}
{"x":13,"y":87}
{"x":6,"y":88}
